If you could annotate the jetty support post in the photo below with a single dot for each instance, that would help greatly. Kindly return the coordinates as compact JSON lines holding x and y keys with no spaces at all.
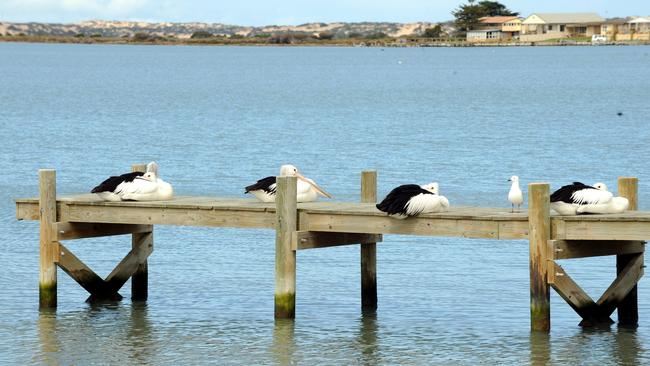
{"x":285,"y":255}
{"x":48,"y":246}
{"x":628,"y":312}
{"x":539,"y":233}
{"x":140,"y":278}
{"x":369,"y":250}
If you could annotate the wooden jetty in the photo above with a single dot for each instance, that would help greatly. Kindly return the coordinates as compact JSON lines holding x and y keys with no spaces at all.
{"x":302,"y":226}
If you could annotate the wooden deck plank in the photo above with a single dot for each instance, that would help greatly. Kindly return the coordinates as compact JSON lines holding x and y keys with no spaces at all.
{"x":171,"y":216}
{"x":472,"y":222}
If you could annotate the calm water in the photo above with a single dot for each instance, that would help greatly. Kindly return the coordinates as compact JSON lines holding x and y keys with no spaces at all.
{"x":217,"y":118}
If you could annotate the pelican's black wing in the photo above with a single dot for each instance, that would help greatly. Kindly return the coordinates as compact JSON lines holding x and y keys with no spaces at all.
{"x":110,"y":184}
{"x":565,"y":193}
{"x":395,"y":202}
{"x":265,"y":184}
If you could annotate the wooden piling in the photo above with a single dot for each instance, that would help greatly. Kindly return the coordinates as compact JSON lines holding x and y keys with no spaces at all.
{"x":539,"y":233}
{"x":285,"y":256}
{"x":48,"y":246}
{"x":628,"y":312}
{"x":140,"y":279}
{"x":369,"y":250}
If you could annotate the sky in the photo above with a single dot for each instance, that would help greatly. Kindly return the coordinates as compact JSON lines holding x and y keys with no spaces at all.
{"x":287,"y":12}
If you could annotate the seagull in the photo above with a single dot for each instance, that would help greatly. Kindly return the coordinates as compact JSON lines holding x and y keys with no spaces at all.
{"x":412,"y":200}
{"x":306,"y":191}
{"x":578,"y":198}
{"x":515,"y":196}
{"x":136,"y":186}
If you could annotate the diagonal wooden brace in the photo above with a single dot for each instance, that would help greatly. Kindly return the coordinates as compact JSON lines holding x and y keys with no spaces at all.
{"x":577,"y":298}
{"x":622,"y":285}
{"x":99,"y":288}
{"x":81,"y":273}
{"x":123,"y":271}
{"x":594,"y":313}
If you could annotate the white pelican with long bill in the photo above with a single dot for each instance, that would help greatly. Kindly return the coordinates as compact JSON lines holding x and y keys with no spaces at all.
{"x":307,"y":190}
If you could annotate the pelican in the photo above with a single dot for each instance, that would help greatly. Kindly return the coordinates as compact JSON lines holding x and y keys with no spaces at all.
{"x":412,"y":200}
{"x":578,"y":198}
{"x":515,"y":196}
{"x":136,"y":186}
{"x":306,"y":191}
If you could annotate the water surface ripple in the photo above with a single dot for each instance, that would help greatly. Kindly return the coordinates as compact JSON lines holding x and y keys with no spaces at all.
{"x":217,"y":118}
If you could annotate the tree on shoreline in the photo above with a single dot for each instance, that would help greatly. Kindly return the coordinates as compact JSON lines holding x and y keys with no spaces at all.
{"x":201,"y":35}
{"x":434,"y":32}
{"x":469,"y":15}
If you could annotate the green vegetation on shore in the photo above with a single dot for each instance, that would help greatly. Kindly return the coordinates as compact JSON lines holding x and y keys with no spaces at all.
{"x":204,"y":38}
{"x":376,"y":40}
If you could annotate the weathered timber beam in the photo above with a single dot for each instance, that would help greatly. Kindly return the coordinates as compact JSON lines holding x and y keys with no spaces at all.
{"x":539,"y":228}
{"x":123,"y":271}
{"x":628,"y":307}
{"x":577,"y":298}
{"x":285,"y":257}
{"x":169,"y":216}
{"x":319,"y":239}
{"x":140,"y":278}
{"x":82,"y":274}
{"x":622,"y":285}
{"x":368,"y":251}
{"x":48,"y":248}
{"x":416,"y":226}
{"x":605,"y":230}
{"x":27,"y":211}
{"x":80,"y":230}
{"x":567,"y":249}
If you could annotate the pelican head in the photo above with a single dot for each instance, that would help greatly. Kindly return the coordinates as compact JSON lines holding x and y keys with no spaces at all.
{"x":289,"y":170}
{"x":600,"y":186}
{"x":432,"y":187}
{"x":514,"y":178}
{"x":148,"y":176}
{"x":152,"y":167}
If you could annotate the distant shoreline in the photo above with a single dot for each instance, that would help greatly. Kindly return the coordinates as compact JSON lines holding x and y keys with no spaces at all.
{"x":348,"y":42}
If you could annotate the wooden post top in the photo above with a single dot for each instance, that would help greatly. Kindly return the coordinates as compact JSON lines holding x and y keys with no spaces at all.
{"x":369,"y":186}
{"x":139,"y":167}
{"x":628,"y":187}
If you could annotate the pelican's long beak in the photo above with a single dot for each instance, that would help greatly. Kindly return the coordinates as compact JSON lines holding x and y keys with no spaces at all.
{"x":142,"y":177}
{"x":318,"y":189}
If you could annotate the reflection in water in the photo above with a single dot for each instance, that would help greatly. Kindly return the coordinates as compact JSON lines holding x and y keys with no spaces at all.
{"x":368,"y":337}
{"x":70,"y":338}
{"x":540,"y":348}
{"x":283,"y":341}
{"x":627,"y":348}
{"x":47,"y":336}
{"x":139,"y":335}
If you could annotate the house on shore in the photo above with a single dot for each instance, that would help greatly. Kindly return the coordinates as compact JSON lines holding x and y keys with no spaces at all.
{"x":612,"y":27}
{"x":545,"y":26}
{"x":636,"y":29}
{"x":495,"y":29}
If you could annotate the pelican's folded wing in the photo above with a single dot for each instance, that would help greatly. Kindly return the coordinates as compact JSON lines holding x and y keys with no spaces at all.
{"x":591,"y":196}
{"x":138,"y":186}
